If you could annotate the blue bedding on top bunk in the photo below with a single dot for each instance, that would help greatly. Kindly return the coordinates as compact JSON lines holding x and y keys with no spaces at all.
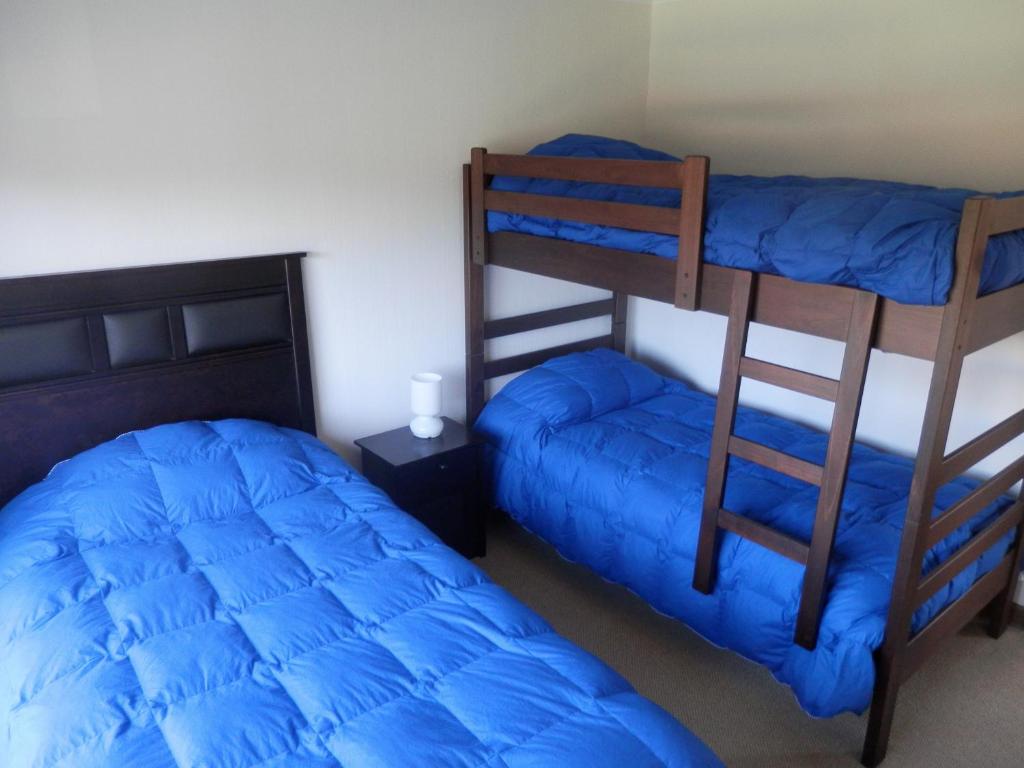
{"x":233,"y":594}
{"x":894,"y":239}
{"x":606,"y":460}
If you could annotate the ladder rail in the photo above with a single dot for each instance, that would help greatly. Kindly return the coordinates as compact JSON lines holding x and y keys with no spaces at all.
{"x":837,"y":463}
{"x":725,"y":422}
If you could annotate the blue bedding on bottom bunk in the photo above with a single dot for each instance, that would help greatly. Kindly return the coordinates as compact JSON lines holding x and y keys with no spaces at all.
{"x":606,"y":460}
{"x":233,"y":594}
{"x":894,"y":239}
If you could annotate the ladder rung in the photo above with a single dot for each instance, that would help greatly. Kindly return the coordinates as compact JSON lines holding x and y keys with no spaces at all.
{"x":761,"y":534}
{"x":790,"y":378}
{"x":776,"y":460}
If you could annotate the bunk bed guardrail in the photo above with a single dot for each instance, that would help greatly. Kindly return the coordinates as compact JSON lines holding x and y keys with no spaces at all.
{"x":690,"y":176}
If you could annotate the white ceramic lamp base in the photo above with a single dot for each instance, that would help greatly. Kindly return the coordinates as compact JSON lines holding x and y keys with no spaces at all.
{"x":426,"y":426}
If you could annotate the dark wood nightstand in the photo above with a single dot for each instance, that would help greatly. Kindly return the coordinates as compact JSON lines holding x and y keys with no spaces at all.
{"x":437,"y":481}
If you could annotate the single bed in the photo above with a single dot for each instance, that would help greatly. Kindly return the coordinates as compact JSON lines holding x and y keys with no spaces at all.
{"x":232,"y":593}
{"x":210,"y":588}
{"x":606,"y":460}
{"x":890,"y":238}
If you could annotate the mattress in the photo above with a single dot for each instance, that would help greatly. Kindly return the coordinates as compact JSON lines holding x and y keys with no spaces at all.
{"x":233,"y":594}
{"x":606,"y":460}
{"x":894,"y":239}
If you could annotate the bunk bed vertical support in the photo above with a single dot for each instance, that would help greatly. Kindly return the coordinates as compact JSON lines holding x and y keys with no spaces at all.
{"x":694,"y":182}
{"x":474,"y":288}
{"x":478,"y":219}
{"x":1002,"y":606}
{"x":892,"y":658}
{"x":619,"y":317}
{"x":725,"y":421}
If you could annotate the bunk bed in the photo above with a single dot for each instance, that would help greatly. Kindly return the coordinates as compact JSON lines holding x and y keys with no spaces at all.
{"x":636,"y":222}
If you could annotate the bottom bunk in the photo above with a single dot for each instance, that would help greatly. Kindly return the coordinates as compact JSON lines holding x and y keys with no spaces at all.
{"x":607,"y":460}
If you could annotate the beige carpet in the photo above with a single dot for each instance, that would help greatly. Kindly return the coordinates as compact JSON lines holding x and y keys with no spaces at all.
{"x":964,"y":708}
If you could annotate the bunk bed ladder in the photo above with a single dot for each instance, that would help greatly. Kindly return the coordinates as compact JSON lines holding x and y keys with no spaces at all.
{"x":846,"y":393}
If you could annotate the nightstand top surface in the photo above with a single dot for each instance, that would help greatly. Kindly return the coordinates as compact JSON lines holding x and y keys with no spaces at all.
{"x":400,"y":446}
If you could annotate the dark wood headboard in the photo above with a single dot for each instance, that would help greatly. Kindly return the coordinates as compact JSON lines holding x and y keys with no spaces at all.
{"x":87,"y":356}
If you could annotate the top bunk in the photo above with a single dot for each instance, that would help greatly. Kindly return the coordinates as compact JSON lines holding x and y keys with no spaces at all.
{"x":637,"y":221}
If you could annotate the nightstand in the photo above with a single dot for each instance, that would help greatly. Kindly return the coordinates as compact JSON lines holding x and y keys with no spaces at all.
{"x":437,"y":481}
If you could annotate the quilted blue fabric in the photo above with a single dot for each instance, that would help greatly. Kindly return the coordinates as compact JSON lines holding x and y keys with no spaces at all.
{"x":606,"y":460}
{"x":233,"y":594}
{"x":894,"y":239}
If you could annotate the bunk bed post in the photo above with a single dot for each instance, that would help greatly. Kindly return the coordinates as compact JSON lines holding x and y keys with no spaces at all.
{"x":478,"y":218}
{"x":619,"y":316}
{"x":891,"y":659}
{"x":474,"y":288}
{"x":1002,"y":606}
{"x":694,"y":183}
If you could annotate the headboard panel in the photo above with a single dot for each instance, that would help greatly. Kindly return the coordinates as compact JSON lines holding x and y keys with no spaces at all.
{"x":87,"y":356}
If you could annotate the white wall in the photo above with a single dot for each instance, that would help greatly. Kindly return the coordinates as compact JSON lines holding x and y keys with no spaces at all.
{"x":145,"y":132}
{"x":918,"y":90}
{"x":142,"y":132}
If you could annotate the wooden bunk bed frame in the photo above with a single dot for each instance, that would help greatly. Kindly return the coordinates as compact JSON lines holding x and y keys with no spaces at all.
{"x":863,"y":320}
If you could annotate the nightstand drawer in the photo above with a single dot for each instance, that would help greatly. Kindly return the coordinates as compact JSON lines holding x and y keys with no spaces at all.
{"x":435,"y":476}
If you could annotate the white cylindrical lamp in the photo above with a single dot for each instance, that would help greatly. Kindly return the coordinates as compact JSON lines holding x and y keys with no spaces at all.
{"x":426,"y":405}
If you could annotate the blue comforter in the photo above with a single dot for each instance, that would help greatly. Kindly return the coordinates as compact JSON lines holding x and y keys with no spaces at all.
{"x":606,"y":460}
{"x":894,"y":239}
{"x":233,"y":594}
